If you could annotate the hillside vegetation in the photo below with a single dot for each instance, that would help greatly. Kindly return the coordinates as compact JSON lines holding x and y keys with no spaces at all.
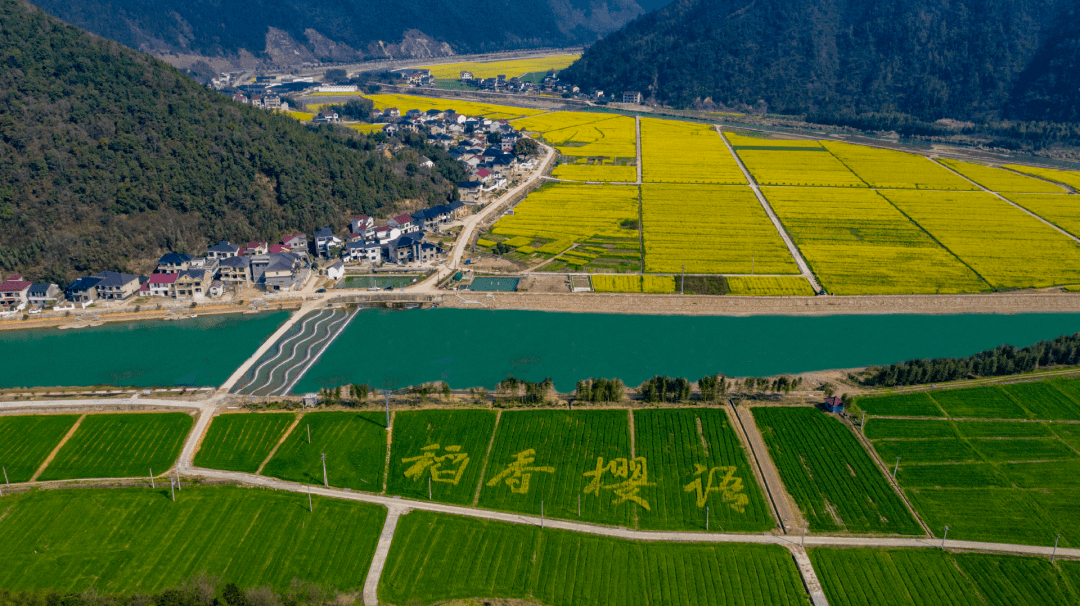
{"x":889,"y":64}
{"x":110,"y":157}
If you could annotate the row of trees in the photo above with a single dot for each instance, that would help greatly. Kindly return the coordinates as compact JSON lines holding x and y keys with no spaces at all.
{"x":1000,"y":361}
{"x":200,"y":590}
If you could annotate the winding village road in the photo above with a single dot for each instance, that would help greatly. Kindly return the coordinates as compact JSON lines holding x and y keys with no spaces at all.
{"x":397,"y":506}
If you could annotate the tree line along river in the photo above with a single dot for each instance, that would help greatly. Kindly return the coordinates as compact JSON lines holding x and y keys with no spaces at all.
{"x":478,"y":348}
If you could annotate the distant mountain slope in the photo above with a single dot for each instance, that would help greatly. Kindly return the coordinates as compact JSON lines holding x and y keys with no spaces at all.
{"x":343,"y":30}
{"x":925,"y":58}
{"x":108,"y":157}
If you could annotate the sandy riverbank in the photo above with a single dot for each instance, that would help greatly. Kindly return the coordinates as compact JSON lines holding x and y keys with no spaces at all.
{"x":96,"y":317}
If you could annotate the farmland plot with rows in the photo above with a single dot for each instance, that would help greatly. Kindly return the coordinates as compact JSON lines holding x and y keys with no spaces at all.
{"x":926,"y":577}
{"x":608,"y":173}
{"x":1062,"y":211}
{"x":26,"y":441}
{"x":572,"y":213}
{"x":836,"y":484}
{"x":120,"y":446}
{"x":449,"y":447}
{"x":917,"y":404}
{"x":710,"y":229}
{"x":469,"y":108}
{"x":888,"y":169}
{"x":1067,"y":177}
{"x":1001,"y":180}
{"x":558,"y":456}
{"x":698,"y":462}
{"x":354,"y":444}
{"x":798,"y":167}
{"x":1006,"y":246}
{"x":241,"y":442}
{"x":989,"y":402}
{"x":634,"y":283}
{"x":770,"y":286}
{"x":742,"y":141}
{"x":137,"y":540}
{"x":511,"y":69}
{"x":587,"y":135}
{"x":681,"y":152}
{"x":856,"y":242}
{"x":437,"y":557}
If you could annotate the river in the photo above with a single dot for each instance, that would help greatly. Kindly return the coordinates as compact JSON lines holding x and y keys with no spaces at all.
{"x":200,"y":352}
{"x":478,"y":348}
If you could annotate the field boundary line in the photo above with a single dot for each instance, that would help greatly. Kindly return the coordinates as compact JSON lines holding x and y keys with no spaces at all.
{"x":382,"y":549}
{"x":1068,"y":188}
{"x":793,"y":250}
{"x":284,"y":436}
{"x":389,"y":446}
{"x":888,"y":477}
{"x":779,"y":496}
{"x":633,"y":455}
{"x":1013,"y":204}
{"x":637,"y":125}
{"x":487,"y":459}
{"x":52,"y":455}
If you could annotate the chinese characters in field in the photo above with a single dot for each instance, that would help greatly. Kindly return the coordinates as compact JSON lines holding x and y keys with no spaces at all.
{"x":519,"y":471}
{"x":629,"y":476}
{"x":720,"y":480}
{"x":447,"y":467}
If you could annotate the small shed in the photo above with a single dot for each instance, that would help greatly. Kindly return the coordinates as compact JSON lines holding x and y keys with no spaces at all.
{"x":311,"y":400}
{"x":834,"y":404}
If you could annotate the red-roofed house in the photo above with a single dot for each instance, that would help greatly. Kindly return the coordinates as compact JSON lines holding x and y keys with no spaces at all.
{"x":13,"y":291}
{"x":279,"y":248}
{"x":296,"y":242}
{"x":483,"y":174}
{"x":161,"y":285}
{"x":359,"y":224}
{"x":255,"y":248}
{"x":405,"y":223}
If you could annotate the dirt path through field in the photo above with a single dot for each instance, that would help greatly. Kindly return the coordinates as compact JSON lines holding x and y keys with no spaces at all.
{"x":788,"y":515}
{"x":284,"y":436}
{"x":52,"y":454}
{"x":487,"y":459}
{"x":809,"y":576}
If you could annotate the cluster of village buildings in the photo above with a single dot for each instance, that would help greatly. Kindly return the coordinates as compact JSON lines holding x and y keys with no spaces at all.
{"x":550,"y":84}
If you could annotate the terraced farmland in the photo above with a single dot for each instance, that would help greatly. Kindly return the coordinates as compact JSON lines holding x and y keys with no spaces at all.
{"x":770,"y":286}
{"x":241,"y":442}
{"x":834,"y":481}
{"x":681,"y":152}
{"x":1067,"y":177}
{"x":120,"y":446}
{"x":572,"y":213}
{"x":138,"y":540}
{"x":26,"y":441}
{"x":447,"y":446}
{"x":556,"y":456}
{"x":932,"y":578}
{"x":798,"y":167}
{"x":730,"y":234}
{"x":697,"y":461}
{"x":1000,"y":180}
{"x":437,"y":557}
{"x":1007,"y":247}
{"x":355,"y":447}
{"x":888,"y":169}
{"x":856,"y":242}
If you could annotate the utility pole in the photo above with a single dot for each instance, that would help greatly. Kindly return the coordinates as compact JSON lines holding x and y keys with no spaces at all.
{"x":387,"y":392}
{"x":325,"y":481}
{"x":895,"y":467}
{"x":541,"y":515}
{"x":1054,"y":554}
{"x":429,"y":488}
{"x":309,"y":433}
{"x":682,"y":287}
{"x":5,"y":476}
{"x":706,"y":518}
{"x":152,"y":485}
{"x":172,"y":488}
{"x":309,"y":505}
{"x":944,"y":537}
{"x":178,"y":475}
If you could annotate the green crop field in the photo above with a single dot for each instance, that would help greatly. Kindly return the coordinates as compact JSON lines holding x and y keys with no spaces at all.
{"x":354,"y":444}
{"x":1003,"y":429}
{"x":1046,"y":399}
{"x":1070,"y":434}
{"x":138,"y":540}
{"x":963,"y":475}
{"x":829,"y":474}
{"x":121,"y":446}
{"x":696,"y":460}
{"x":26,"y":441}
{"x":437,"y":557}
{"x":925,"y":577}
{"x":447,"y":446}
{"x":951,"y":450}
{"x":241,"y":442}
{"x":979,"y":402}
{"x":908,"y":428}
{"x":903,"y":405}
{"x":554,"y":456}
{"x":1031,"y":449}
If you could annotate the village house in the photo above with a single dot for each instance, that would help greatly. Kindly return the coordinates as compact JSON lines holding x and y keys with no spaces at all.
{"x":222,"y":250}
{"x":13,"y":292}
{"x":207,"y":264}
{"x":392,"y":112}
{"x":386,"y":234}
{"x":405,"y":223}
{"x":171,"y":263}
{"x":83,"y":290}
{"x":336,"y":271}
{"x":296,"y":242}
{"x":217,"y":288}
{"x":326,"y":118}
{"x":236,"y":270}
{"x":361,"y":223}
{"x":192,"y":284}
{"x":362,"y":250}
{"x":255,"y":248}
{"x":42,"y":295}
{"x":162,"y":285}
{"x":115,"y":286}
{"x":276,"y":272}
{"x":325,"y":240}
{"x":632,"y":97}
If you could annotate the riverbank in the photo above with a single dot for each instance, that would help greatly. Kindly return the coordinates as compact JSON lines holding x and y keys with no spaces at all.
{"x":93,"y":316}
{"x":703,"y":305}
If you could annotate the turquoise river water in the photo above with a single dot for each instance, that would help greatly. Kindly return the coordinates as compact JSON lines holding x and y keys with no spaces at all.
{"x":478,"y":348}
{"x":196,"y":352}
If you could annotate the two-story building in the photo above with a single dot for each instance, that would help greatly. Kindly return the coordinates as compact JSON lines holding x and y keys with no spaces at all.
{"x":43,"y":295}
{"x":193,"y":284}
{"x":235,"y":271}
{"x":116,"y":286}
{"x":13,"y":292}
{"x":222,"y":250}
{"x":162,"y":285}
{"x":326,"y":240}
{"x":171,"y":263}
{"x":83,"y":290}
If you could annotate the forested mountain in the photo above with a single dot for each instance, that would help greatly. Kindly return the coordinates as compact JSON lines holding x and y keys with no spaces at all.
{"x":343,"y":30}
{"x":928,"y":59}
{"x":108,"y":157}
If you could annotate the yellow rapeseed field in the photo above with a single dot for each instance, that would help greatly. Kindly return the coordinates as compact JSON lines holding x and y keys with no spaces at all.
{"x":738,"y":140}
{"x":367,"y":128}
{"x":633,"y":283}
{"x":858,"y":243}
{"x":770,"y":286}
{"x":572,"y":213}
{"x":583,"y":134}
{"x":301,"y":116}
{"x":599,"y":172}
{"x":885,"y":168}
{"x":1005,"y":245}
{"x":794,"y":167}
{"x":1068,"y":177}
{"x":712,"y":229}
{"x":511,"y":69}
{"x":495,"y":112}
{"x":1001,"y":180}
{"x":1061,"y":210}
{"x":684,"y":152}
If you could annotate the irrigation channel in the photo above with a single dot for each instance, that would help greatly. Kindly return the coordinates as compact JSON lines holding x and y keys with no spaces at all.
{"x":283,"y":365}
